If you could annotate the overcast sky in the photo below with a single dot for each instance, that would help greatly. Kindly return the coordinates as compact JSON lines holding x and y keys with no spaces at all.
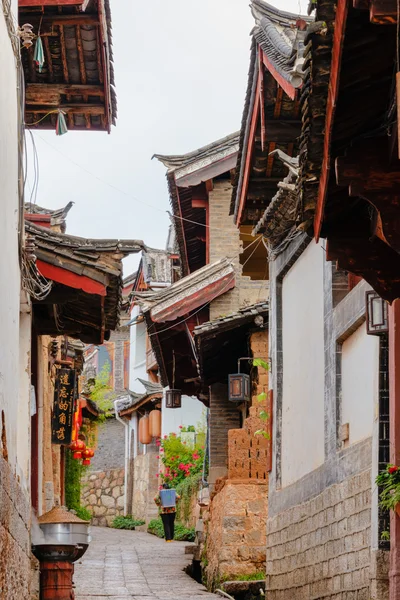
{"x":181,"y":72}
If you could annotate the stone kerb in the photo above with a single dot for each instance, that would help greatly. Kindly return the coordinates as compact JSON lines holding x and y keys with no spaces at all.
{"x":103,"y":495}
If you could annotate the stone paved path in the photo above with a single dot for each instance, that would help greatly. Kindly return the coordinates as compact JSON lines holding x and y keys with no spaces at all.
{"x":131,"y":564}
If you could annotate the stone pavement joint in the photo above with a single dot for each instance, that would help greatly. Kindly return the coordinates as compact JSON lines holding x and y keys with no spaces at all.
{"x":123,"y":565}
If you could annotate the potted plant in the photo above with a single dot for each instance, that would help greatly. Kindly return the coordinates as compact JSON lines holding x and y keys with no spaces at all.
{"x":388,"y":481}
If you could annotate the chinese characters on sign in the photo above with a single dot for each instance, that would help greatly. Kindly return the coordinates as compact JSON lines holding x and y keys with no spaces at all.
{"x":64,"y":406}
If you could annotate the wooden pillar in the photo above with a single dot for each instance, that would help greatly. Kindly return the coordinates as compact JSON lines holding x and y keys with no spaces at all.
{"x":394,"y":395}
{"x":56,"y":580}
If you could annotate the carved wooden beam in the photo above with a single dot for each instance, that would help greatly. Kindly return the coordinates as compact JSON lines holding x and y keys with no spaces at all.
{"x":372,"y":259}
{"x":367,"y":172}
{"x":381,"y":12}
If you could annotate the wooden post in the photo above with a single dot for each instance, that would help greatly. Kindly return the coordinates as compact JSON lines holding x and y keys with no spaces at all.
{"x":56,"y":580}
{"x":394,"y":411}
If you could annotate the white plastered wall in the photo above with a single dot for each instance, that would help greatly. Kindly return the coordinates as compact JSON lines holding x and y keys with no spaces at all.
{"x":360,"y":383}
{"x":9,"y":266}
{"x":137,"y":360}
{"x":303,"y":366}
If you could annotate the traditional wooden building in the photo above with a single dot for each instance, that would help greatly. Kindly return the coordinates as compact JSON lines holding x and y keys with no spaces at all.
{"x":339,"y":183}
{"x":201,"y":325}
{"x":74,"y":73}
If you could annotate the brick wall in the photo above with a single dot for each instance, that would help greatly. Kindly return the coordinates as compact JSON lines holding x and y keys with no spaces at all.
{"x":118,"y":338}
{"x":110,"y":450}
{"x":223,"y":416}
{"x":226,"y":243}
{"x":16,"y":578}
{"x":322,"y":548}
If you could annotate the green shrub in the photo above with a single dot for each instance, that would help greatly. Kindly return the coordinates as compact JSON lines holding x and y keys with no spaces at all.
{"x":186,"y":490}
{"x":179,"y":460}
{"x":127,"y":522}
{"x":74,"y":470}
{"x":182,"y":533}
{"x":260,"y":576}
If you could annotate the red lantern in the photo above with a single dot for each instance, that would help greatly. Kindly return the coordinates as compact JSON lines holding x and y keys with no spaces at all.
{"x":86,"y":462}
{"x":77,"y":447}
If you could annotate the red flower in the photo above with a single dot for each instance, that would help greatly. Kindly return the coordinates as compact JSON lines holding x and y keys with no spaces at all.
{"x":180,"y":426}
{"x":393,"y":469}
{"x":158,"y":456}
{"x":165,"y":437}
{"x":157,"y":474}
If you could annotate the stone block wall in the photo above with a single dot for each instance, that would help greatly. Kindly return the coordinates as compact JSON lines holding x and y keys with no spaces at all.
{"x":322,"y":548}
{"x":103,"y":494}
{"x":145,"y":486}
{"x":235,"y":527}
{"x":17,"y":580}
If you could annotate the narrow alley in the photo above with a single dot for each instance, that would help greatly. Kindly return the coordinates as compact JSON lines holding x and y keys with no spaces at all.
{"x":135,"y":565}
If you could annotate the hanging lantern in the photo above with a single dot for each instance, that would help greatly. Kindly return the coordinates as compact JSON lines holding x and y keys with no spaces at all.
{"x":77,"y":447}
{"x":377,"y":314}
{"x":87,"y":454}
{"x":155,"y":423}
{"x":144,"y":432}
{"x":173,"y":398}
{"x":239,"y":387}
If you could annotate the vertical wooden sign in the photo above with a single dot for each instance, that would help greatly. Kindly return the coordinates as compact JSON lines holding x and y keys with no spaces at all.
{"x":64,"y":407}
{"x":398,"y":108}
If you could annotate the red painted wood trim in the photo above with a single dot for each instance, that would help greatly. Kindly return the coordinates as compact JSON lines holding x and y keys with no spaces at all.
{"x":195,"y":300}
{"x":337,"y":50}
{"x":41,"y":220}
{"x":207,"y":233}
{"x":262,"y":106}
{"x":50,"y":2}
{"x":79,"y":282}
{"x":285,"y":85}
{"x":183,"y":226}
{"x":249,"y":151}
{"x":199,"y":203}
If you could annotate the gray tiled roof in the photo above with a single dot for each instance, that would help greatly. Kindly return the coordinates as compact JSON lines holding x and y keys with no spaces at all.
{"x":177,"y":161}
{"x":129,"y":399}
{"x":232,"y":319}
{"x":281,"y":41}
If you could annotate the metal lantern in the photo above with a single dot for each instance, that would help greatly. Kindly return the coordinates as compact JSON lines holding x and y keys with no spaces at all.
{"x":377,"y":314}
{"x":239,"y":387}
{"x":173,"y":399}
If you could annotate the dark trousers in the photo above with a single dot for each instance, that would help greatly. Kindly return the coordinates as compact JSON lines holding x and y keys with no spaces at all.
{"x":168,"y":520}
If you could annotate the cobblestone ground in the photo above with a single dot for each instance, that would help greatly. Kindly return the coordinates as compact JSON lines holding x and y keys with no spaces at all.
{"x":131,"y":564}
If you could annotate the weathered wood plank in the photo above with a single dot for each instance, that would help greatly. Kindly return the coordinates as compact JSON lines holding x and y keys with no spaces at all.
{"x":46,"y":93}
{"x":64,"y":55}
{"x":89,"y":109}
{"x":82,"y":68}
{"x":77,"y":3}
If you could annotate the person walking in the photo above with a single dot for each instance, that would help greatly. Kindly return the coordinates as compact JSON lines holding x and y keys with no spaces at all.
{"x":166,"y":501}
